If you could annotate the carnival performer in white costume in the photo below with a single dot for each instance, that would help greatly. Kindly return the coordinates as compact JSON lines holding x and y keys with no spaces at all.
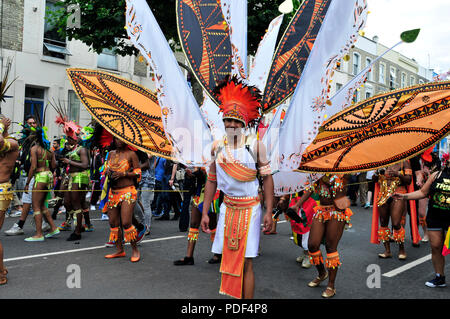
{"x":238,"y":161}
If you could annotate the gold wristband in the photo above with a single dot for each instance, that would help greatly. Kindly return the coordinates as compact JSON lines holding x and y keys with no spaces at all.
{"x":2,"y":128}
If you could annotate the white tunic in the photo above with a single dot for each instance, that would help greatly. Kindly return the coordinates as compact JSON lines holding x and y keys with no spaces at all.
{"x":232,"y":187}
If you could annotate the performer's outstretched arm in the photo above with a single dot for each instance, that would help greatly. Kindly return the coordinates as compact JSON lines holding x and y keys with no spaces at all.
{"x":421,"y":193}
{"x":266,"y":173}
{"x":210,"y":190}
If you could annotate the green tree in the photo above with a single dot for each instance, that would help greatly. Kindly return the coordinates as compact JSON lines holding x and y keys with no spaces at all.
{"x":103,"y":21}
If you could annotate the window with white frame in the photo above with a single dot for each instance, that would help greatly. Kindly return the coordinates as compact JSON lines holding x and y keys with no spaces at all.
{"x":403,"y":80}
{"x":382,"y":73}
{"x":54,"y":45}
{"x":338,"y":87}
{"x":368,"y":91}
{"x":356,"y":96}
{"x":369,"y":75}
{"x":107,"y":60}
{"x":412,"y":80}
{"x":392,"y":77}
{"x":421,"y":81}
{"x":74,"y":107}
{"x":356,"y":63}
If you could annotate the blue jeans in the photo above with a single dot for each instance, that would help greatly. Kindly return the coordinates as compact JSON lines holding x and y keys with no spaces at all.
{"x":188,"y":187}
{"x":162,"y":202}
{"x":146,"y":197}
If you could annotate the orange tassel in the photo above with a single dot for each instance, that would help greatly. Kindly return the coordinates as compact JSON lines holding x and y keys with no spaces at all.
{"x":374,"y":234}
{"x":193,"y":234}
{"x":399,"y":235}
{"x":130,"y":234}
{"x":316,"y":258}
{"x":114,"y":234}
{"x":333,"y":260}
{"x":383,"y":234}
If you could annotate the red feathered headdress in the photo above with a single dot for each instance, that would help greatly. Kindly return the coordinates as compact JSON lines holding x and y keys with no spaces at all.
{"x":104,"y":139}
{"x":426,"y":156}
{"x":239,"y":101}
{"x":70,"y":128}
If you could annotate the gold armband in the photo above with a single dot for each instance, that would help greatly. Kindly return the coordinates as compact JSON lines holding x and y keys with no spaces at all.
{"x":2,"y":128}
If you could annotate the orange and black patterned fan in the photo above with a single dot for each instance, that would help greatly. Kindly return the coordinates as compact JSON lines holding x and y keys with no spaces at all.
{"x":205,"y":41}
{"x":381,"y":131}
{"x":292,"y":53}
{"x":126,"y":109}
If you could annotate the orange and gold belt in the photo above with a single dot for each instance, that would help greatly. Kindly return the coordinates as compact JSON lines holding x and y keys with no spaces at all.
{"x":237,"y":221}
{"x":116,"y":196}
{"x":6,"y":195}
{"x":326,"y":213}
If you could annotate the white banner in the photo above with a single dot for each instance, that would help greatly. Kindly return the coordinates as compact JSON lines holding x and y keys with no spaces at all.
{"x":304,"y":116}
{"x":181,"y":116}
{"x":261,"y":64}
{"x":235,"y":13}
{"x":213,"y":117}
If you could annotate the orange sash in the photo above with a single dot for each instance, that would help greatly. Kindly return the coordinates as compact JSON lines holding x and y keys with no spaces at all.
{"x":412,"y":205}
{"x":234,"y":168}
{"x":237,"y":221}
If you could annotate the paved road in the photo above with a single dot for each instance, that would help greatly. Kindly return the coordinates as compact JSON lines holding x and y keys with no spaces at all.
{"x":42,"y":270}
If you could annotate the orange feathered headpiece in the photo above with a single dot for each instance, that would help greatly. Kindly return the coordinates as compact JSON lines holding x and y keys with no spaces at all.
{"x":426,"y":156}
{"x":239,"y":101}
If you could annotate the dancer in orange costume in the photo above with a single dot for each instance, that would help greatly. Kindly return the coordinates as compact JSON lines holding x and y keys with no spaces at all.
{"x":329,"y":221}
{"x":122,"y":169}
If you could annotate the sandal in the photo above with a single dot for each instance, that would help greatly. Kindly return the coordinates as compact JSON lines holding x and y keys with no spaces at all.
{"x":402,"y":256}
{"x":316,"y":282}
{"x":184,"y":261}
{"x":135,"y":259}
{"x":329,"y":292}
{"x":3,"y":279}
{"x":116,"y":255}
{"x":385,"y":256}
{"x":215,"y":259}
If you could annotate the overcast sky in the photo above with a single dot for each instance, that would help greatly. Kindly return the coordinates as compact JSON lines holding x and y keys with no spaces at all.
{"x":389,"y":18}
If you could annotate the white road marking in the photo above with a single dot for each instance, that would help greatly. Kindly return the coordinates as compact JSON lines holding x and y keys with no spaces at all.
{"x":82,"y":249}
{"x":410,"y":265}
